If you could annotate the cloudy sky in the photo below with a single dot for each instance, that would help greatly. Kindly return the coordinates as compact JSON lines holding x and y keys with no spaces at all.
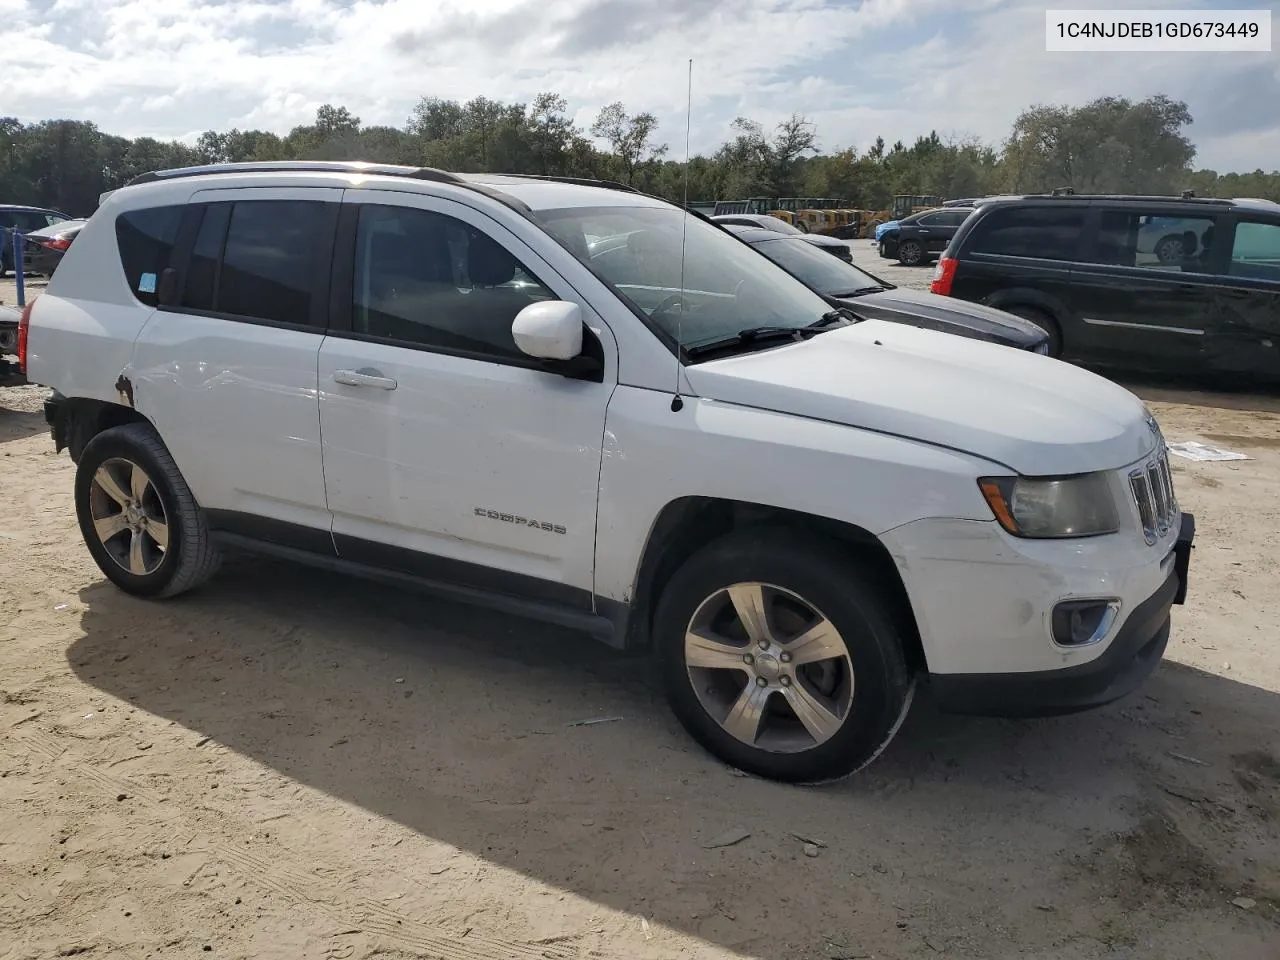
{"x":895,"y":68}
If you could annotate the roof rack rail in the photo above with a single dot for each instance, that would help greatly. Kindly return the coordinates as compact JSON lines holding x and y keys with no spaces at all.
{"x":1141,"y":198}
{"x":580,"y":181}
{"x":301,"y":166}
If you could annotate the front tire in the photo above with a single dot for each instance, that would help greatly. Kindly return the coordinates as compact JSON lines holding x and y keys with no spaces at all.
{"x":138,"y":517}
{"x":779,"y":658}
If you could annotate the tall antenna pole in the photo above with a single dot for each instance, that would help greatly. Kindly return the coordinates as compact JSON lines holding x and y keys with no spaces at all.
{"x":676,"y":402}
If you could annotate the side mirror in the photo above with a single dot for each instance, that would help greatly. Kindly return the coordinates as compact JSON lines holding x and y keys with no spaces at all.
{"x":549,"y":330}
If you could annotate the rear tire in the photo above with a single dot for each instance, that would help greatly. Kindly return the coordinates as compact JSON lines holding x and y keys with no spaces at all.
{"x":1042,"y":320}
{"x":138,"y":517}
{"x":789,"y":711}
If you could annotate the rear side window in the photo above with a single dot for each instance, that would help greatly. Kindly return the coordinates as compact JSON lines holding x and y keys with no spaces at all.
{"x":206,"y":255}
{"x":1256,"y":251}
{"x":144,"y":239}
{"x":267,"y":266}
{"x":258,"y":259}
{"x":1042,"y":233}
{"x":1129,"y":238}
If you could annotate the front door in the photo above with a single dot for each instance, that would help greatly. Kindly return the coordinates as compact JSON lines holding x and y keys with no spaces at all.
{"x":448,"y":454}
{"x":1145,"y":288}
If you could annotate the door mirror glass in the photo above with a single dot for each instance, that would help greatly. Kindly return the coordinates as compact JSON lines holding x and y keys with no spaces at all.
{"x":549,"y":330}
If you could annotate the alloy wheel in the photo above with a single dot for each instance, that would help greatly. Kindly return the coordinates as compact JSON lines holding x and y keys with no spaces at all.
{"x":128,"y":516}
{"x":769,"y":667}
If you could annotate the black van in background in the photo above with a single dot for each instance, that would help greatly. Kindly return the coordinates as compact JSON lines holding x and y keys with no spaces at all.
{"x":1179,"y":285}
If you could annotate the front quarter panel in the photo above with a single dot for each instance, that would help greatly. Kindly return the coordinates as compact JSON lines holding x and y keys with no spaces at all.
{"x":654,"y":456}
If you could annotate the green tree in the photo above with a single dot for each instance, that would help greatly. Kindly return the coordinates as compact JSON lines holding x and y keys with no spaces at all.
{"x":1110,"y":145}
{"x":630,"y":138}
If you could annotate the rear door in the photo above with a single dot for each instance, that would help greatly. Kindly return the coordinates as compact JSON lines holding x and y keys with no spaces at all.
{"x":937,"y":229}
{"x":226,"y":368}
{"x":1145,"y":287}
{"x":1244,"y":329}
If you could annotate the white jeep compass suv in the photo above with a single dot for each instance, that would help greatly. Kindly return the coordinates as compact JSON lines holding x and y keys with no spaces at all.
{"x":573,"y":401}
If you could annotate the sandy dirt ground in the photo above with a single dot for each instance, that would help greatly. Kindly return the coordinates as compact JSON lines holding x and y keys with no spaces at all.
{"x":284,"y":764}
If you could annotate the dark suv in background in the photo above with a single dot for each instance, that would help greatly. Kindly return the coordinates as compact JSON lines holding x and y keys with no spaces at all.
{"x":1180,"y":285}
{"x":919,"y":238}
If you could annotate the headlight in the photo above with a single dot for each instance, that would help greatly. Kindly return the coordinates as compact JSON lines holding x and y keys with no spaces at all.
{"x":1059,"y":507}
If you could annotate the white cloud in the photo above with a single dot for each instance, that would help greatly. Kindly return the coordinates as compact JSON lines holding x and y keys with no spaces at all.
{"x":896,"y":68}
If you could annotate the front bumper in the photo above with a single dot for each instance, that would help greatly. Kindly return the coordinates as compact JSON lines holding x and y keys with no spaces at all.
{"x":1126,"y":663}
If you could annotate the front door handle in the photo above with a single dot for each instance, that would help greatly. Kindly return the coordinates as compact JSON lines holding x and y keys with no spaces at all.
{"x":365,"y":377}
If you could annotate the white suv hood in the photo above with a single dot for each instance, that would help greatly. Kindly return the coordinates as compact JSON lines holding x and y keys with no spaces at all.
{"x":1036,"y":415}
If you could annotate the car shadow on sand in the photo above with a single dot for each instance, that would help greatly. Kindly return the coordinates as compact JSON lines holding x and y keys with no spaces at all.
{"x":20,"y":424}
{"x":460,"y":724}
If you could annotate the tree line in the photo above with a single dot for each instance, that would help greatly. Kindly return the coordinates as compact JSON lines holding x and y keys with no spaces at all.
{"x":1111,"y":145}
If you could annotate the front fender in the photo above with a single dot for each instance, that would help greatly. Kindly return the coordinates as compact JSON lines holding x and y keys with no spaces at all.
{"x":654,"y":456}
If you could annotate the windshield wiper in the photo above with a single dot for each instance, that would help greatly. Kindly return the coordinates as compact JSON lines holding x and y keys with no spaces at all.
{"x":765,"y":334}
{"x":749,"y":337}
{"x":833,"y":318}
{"x":874,"y":288}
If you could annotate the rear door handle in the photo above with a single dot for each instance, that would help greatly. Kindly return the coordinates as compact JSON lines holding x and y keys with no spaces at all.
{"x":365,"y":377}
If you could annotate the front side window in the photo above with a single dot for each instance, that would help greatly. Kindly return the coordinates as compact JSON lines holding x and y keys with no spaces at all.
{"x":1256,"y":250}
{"x":719,"y":287}
{"x":427,"y":279}
{"x":144,"y":240}
{"x":1131,"y":238}
{"x":1042,"y":233}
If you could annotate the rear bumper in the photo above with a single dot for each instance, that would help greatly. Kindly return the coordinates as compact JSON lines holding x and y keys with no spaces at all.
{"x":1129,"y":659}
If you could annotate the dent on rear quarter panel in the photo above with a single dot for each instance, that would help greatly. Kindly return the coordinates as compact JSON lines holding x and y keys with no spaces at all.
{"x":84,"y":325}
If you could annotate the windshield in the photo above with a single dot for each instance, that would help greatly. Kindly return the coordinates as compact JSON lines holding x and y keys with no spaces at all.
{"x":816,"y":268}
{"x":779,"y":226}
{"x":728,"y":287}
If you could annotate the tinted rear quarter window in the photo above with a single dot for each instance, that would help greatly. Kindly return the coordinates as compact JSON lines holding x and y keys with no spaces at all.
{"x":1042,"y":233}
{"x":145,"y":239}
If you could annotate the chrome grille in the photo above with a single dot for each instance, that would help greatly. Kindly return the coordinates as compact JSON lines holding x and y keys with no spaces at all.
{"x":1152,"y":487}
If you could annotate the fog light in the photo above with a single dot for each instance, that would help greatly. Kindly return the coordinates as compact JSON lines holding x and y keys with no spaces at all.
{"x":1080,"y":622}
